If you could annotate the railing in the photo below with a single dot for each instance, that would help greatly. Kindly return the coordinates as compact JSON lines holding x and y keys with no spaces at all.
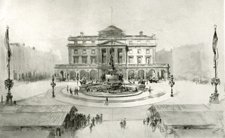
{"x":142,"y":44}
{"x":107,"y":65}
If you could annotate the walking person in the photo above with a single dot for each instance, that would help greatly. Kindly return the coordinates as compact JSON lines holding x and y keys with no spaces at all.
{"x":121,"y":124}
{"x":96,"y":119}
{"x":101,"y":118}
{"x":91,"y":128}
{"x":88,"y":119}
{"x":107,"y":100}
{"x":148,"y":120}
{"x":124,"y":123}
{"x":67,"y":88}
{"x":71,"y":92}
{"x":93,"y":121}
{"x":144,"y":122}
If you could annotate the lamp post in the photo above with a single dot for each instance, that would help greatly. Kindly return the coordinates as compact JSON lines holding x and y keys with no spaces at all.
{"x":214,"y":98}
{"x":8,"y":82}
{"x":77,"y":78}
{"x":171,"y":83}
{"x":53,"y":84}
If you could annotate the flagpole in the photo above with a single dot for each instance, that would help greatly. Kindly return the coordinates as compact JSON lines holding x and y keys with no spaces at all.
{"x":214,"y":98}
{"x":8,"y":82}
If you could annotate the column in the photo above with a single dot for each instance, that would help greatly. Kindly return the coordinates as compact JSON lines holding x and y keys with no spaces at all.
{"x":123,"y":56}
{"x":88,"y":59}
{"x":116,"y":55}
{"x":145,"y":73}
{"x":100,"y":56}
{"x":80,"y":59}
{"x":107,"y":55}
{"x":154,"y":55}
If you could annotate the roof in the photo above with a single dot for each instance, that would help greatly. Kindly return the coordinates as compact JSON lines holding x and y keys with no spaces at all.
{"x":112,"y":27}
{"x":198,"y":133}
{"x":24,"y":134}
{"x":32,"y":119}
{"x":186,"y":107}
{"x":37,"y":108}
{"x":190,"y":118}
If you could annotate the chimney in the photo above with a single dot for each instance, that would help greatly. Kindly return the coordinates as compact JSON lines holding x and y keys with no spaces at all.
{"x":140,"y":33}
{"x":81,"y":34}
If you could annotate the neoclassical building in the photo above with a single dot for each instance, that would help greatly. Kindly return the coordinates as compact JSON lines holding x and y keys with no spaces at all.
{"x":134,"y":56}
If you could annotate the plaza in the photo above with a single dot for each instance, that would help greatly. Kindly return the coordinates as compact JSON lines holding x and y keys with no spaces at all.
{"x":112,"y":69}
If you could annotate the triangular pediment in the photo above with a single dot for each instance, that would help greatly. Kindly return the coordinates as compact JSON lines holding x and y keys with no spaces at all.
{"x":112,"y":43}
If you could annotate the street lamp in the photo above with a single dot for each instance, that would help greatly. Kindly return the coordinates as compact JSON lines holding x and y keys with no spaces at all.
{"x":77,"y":78}
{"x":53,"y":84}
{"x":8,"y":82}
{"x":214,"y":98}
{"x":171,"y":83}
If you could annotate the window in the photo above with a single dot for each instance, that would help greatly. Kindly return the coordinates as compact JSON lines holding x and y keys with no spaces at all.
{"x":88,"y":42}
{"x":120,"y":54}
{"x":147,"y":51}
{"x":93,"y":60}
{"x":148,"y":61}
{"x":130,"y":51}
{"x":139,"y":60}
{"x":130,"y":59}
{"x":103,"y":55}
{"x":84,"y":51}
{"x":120,"y":60}
{"x":80,"y":42}
{"x":75,"y":59}
{"x":130,"y":42}
{"x":84,"y":60}
{"x":93,"y":51}
{"x":75,"y":51}
{"x":139,"y":51}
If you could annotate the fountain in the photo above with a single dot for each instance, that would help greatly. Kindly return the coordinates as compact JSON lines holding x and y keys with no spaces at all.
{"x":113,"y":82}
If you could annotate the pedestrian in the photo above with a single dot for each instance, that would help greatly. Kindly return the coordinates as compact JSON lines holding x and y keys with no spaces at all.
{"x":75,"y":91}
{"x":71,"y":92}
{"x":144,"y":122}
{"x":124,"y":123}
{"x":149,"y":90}
{"x":101,"y":118}
{"x":67,"y":88}
{"x":96,"y":119}
{"x":93,"y":121}
{"x":121,"y":124}
{"x":106,"y":100}
{"x":88,"y":119}
{"x":91,"y":128}
{"x":148,"y":120}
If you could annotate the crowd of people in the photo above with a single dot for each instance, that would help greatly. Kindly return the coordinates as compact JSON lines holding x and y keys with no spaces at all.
{"x":79,"y":121}
{"x":123,"y":123}
{"x":98,"y":119}
{"x":72,"y":92}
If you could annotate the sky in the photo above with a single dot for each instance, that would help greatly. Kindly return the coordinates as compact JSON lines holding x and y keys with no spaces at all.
{"x":46,"y":24}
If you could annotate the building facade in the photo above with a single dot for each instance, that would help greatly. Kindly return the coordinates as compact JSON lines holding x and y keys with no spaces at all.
{"x":134,"y":56}
{"x":29,"y":64}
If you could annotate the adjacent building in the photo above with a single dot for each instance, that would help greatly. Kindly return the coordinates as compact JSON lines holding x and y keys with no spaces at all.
{"x":29,"y":64}
{"x":134,"y":56}
{"x":192,"y":61}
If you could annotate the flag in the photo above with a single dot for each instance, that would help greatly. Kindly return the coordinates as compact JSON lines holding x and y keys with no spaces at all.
{"x":214,"y":44}
{"x":9,"y":52}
